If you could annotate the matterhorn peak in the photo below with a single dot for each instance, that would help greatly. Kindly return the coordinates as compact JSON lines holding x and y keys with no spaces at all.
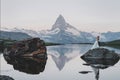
{"x":60,"y":20}
{"x":60,"y":23}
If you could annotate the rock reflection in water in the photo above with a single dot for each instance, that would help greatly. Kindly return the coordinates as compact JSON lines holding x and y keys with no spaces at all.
{"x":98,"y":64}
{"x":28,"y":65}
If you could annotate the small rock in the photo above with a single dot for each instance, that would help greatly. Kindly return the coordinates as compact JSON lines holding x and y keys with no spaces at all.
{"x":3,"y":77}
{"x":85,"y":72}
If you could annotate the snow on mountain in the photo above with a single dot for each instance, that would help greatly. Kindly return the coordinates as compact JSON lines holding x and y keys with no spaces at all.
{"x":73,"y":31}
{"x":62,"y":25}
{"x":29,"y":32}
{"x":95,"y":34}
{"x":63,"y":32}
{"x":5,"y":29}
{"x":13,"y":35}
{"x":110,"y":36}
{"x":50,"y":32}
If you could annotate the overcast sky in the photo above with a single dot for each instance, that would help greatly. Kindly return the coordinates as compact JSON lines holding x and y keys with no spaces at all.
{"x":85,"y":15}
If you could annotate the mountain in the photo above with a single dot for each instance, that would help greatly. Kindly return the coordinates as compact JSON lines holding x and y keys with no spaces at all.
{"x":62,"y":32}
{"x":13,"y":35}
{"x":29,"y":32}
{"x":110,"y":36}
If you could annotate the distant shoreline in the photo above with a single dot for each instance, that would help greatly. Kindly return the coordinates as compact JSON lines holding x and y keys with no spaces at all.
{"x":52,"y":44}
{"x":114,"y":44}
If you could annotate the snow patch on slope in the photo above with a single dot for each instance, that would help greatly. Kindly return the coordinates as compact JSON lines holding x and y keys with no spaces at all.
{"x":73,"y":31}
{"x":5,"y":29}
{"x":55,"y":31}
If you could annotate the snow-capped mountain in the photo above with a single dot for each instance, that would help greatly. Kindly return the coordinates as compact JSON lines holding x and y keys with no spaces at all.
{"x":110,"y":36}
{"x":62,"y":32}
{"x":14,"y":35}
{"x":30,"y":32}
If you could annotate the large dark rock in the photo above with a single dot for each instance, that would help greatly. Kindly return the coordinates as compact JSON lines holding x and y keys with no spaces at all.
{"x":29,"y":65}
{"x":29,"y":47}
{"x":98,"y":64}
{"x":101,"y":63}
{"x":1,"y":46}
{"x":3,"y":77}
{"x":100,"y":58}
{"x":100,"y":53}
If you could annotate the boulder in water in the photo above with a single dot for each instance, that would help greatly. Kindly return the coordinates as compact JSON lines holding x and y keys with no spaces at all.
{"x":29,"y":65}
{"x":29,"y":47}
{"x":100,"y":53}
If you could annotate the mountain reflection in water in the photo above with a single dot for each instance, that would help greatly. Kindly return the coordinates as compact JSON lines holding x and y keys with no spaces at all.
{"x":98,"y":64}
{"x":64,"y":53}
{"x":28,"y":65}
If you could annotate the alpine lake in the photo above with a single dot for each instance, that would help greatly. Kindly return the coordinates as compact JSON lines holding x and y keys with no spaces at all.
{"x":63,"y":63}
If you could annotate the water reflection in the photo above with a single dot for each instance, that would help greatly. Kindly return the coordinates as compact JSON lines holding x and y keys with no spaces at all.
{"x":98,"y":64}
{"x":61,"y":64}
{"x":64,"y":53}
{"x":28,"y":65}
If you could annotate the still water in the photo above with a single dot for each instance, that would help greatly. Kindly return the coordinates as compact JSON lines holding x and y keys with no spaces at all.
{"x":63,"y":63}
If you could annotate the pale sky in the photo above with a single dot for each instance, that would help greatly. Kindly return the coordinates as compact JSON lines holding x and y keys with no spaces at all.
{"x":85,"y":15}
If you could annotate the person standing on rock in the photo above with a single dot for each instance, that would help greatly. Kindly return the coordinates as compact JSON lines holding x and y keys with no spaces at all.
{"x":96,"y":44}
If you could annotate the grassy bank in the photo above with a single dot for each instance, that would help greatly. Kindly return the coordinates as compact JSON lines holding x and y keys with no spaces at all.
{"x":51,"y":44}
{"x":5,"y":43}
{"x":115,"y":44}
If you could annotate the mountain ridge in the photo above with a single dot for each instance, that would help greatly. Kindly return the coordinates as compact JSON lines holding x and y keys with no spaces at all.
{"x":13,"y":35}
{"x":63,"y":32}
